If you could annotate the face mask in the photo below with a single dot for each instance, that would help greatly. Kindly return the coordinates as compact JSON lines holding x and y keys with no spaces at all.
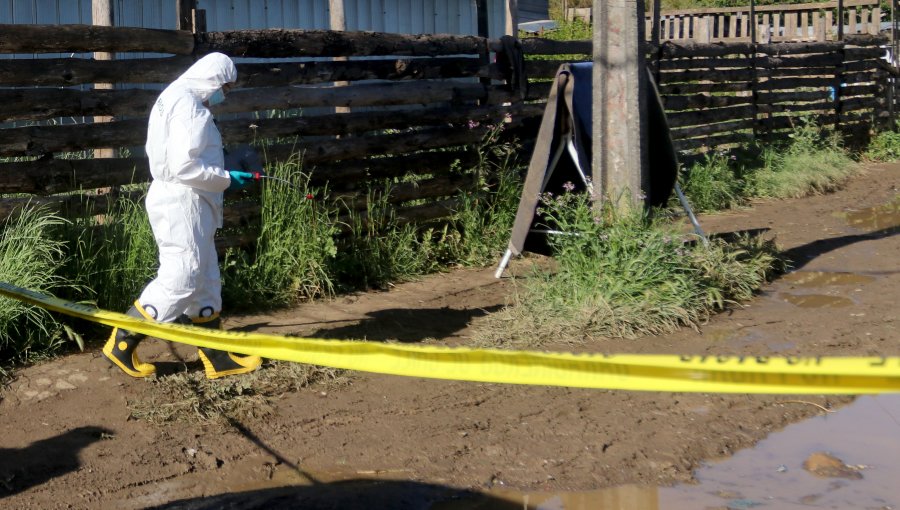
{"x":217,"y":97}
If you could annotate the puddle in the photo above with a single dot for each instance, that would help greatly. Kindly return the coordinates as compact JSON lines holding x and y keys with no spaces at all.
{"x":815,"y":300}
{"x":825,"y":278}
{"x":771,"y":475}
{"x":768,"y":476}
{"x":882,"y":217}
{"x":863,"y":434}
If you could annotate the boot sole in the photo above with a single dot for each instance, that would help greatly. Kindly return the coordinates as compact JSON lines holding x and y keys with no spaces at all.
{"x":212,"y":373}
{"x":108,"y":353}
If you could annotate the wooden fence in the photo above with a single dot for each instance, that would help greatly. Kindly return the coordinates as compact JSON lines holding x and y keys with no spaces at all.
{"x":719,"y":95}
{"x":431,"y":104}
{"x":433,"y":100}
{"x":773,"y":23}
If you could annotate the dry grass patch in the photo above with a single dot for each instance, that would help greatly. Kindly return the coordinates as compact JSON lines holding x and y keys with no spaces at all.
{"x":191,"y":397}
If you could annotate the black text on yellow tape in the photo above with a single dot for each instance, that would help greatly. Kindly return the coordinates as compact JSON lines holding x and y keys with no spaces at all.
{"x":712,"y":374}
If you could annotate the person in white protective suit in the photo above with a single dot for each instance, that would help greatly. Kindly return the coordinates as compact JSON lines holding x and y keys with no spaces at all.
{"x":184,"y":205}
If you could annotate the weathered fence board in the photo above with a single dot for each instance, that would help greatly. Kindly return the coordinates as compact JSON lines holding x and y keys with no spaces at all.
{"x":278,"y":43}
{"x":697,"y":101}
{"x":85,"y":38}
{"x":78,"y":71}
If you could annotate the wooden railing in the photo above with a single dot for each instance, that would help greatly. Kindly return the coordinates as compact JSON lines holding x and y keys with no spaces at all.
{"x":794,"y":23}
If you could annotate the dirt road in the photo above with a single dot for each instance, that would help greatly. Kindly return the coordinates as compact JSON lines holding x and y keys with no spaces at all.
{"x":68,"y":440}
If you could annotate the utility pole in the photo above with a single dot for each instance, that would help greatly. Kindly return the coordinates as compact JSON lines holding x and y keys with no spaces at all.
{"x":102,"y":15}
{"x":619,"y":144}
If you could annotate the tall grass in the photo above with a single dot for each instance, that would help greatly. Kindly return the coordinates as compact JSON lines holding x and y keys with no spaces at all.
{"x":885,"y":146}
{"x":111,"y":256}
{"x":713,"y":184}
{"x":480,"y":225}
{"x":619,"y":274}
{"x":294,"y":247}
{"x":31,"y":256}
{"x":812,"y":160}
{"x":379,"y":249}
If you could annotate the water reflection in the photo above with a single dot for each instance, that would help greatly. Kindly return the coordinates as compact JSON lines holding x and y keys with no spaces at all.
{"x":815,"y":300}
{"x":627,"y":497}
{"x":825,"y":278}
{"x":863,"y":434}
{"x":886,"y":216}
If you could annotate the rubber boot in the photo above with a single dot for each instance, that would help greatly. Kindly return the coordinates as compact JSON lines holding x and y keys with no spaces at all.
{"x":121,"y":347}
{"x":217,"y":363}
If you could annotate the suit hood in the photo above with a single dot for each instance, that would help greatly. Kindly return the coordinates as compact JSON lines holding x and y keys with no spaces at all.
{"x":208,"y":75}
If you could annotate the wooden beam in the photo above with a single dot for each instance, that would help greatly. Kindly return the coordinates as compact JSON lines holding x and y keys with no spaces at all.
{"x":88,"y":38}
{"x":275,"y":43}
{"x":61,"y":72}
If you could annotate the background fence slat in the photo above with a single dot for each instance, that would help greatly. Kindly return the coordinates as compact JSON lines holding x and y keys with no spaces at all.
{"x":88,"y":38}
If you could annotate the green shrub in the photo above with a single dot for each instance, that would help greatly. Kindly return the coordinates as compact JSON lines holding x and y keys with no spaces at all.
{"x":31,"y":256}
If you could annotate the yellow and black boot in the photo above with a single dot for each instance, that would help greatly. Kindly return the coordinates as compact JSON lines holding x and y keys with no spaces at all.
{"x":217,"y":363}
{"x":121,"y":347}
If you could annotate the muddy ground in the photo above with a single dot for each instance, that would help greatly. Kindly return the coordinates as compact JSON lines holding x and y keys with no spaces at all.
{"x":68,"y":440}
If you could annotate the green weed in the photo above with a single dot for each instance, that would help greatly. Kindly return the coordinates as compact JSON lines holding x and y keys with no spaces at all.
{"x":294,"y":247}
{"x":713,"y":184}
{"x":379,"y":249}
{"x":813,"y":162}
{"x":618,"y":274}
{"x":885,"y":146}
{"x":481,"y":223}
{"x":31,"y":256}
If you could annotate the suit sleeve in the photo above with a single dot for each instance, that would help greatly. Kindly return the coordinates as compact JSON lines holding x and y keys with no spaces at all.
{"x":191,"y":133}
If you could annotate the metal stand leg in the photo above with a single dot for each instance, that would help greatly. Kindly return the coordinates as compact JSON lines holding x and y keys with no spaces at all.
{"x":690,"y":213}
{"x":503,"y":263}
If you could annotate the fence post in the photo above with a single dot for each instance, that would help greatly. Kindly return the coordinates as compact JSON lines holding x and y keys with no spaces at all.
{"x":619,"y":109}
{"x":184,"y":13}
{"x":840,"y":20}
{"x":336,"y":21}
{"x":198,"y":21}
{"x":656,"y":22}
{"x":102,"y":15}
{"x":753,"y":22}
{"x":838,"y":81}
{"x":512,"y":17}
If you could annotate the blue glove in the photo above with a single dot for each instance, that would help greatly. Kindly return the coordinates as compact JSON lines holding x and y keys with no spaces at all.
{"x":239,"y":179}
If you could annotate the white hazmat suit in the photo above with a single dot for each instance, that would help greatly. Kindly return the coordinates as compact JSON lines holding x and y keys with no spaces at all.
{"x":184,"y":203}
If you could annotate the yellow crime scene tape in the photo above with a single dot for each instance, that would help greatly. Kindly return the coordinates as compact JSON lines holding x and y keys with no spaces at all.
{"x":671,"y":373}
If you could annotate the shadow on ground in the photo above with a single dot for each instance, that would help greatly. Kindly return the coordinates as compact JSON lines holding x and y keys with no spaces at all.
{"x":407,"y":324}
{"x":41,"y":461}
{"x":804,"y":254}
{"x":349,"y":495}
{"x":401,"y":324}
